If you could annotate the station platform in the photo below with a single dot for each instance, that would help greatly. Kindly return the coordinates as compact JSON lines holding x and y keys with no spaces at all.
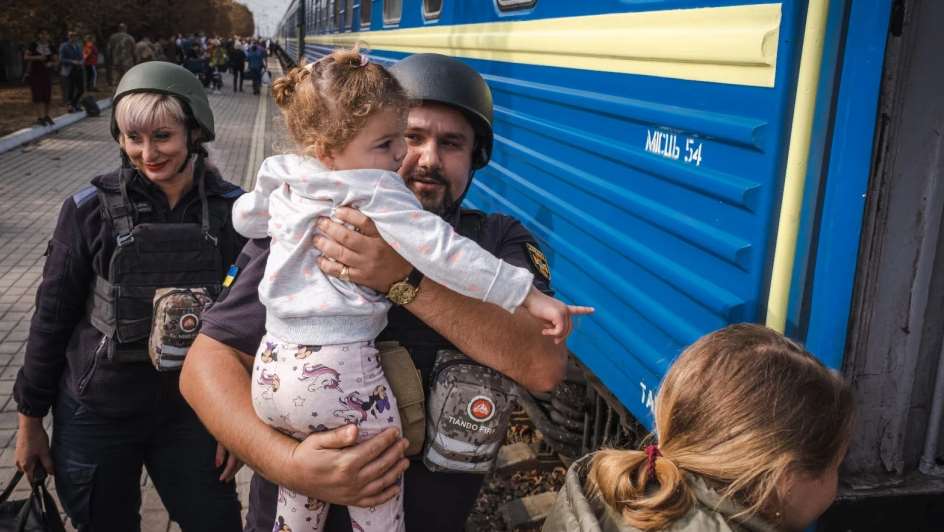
{"x":36,"y":178}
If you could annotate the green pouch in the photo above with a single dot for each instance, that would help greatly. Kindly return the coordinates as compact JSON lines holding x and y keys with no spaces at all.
{"x":407,"y":386}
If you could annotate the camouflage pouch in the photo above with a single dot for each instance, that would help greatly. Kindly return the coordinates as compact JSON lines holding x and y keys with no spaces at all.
{"x":470,"y":408}
{"x":175,"y":323}
{"x":407,"y":385}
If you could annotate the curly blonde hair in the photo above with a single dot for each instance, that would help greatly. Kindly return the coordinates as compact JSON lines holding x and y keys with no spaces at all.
{"x":741,"y":407}
{"x":326,"y":103}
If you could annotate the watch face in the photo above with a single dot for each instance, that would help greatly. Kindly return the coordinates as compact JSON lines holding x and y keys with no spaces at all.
{"x":402,"y":293}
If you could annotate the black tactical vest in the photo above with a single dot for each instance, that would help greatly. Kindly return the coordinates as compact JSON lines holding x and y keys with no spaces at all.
{"x":149,"y":256}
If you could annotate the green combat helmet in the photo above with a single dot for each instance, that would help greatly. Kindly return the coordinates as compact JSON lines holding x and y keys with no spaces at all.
{"x":167,"y":78}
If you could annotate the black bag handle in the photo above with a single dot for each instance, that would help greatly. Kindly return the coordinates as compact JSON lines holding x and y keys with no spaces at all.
{"x":7,"y":491}
{"x":47,"y":509}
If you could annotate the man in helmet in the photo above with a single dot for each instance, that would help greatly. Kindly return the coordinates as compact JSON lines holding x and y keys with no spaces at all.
{"x":449,"y":136}
{"x":160,"y":221}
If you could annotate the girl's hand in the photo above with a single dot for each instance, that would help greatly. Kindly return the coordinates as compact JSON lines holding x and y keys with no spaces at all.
{"x":556,"y":313}
{"x":233,"y":464}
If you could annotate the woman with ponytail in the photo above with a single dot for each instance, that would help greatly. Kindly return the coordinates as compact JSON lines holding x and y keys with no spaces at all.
{"x":750,"y":430}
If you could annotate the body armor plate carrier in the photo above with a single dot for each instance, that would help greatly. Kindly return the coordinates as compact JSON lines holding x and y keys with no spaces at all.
{"x":149,"y":256}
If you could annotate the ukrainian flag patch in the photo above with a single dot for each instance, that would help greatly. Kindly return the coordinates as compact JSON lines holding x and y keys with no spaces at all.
{"x":230,"y":276}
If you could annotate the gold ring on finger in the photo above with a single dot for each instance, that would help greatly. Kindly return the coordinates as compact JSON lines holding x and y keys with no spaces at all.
{"x":345,"y":274}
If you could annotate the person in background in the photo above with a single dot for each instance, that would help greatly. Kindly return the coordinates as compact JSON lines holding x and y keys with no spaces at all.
{"x":71,"y":68}
{"x":144,"y":50}
{"x":40,"y":61}
{"x":237,"y":64}
{"x":90,"y":59}
{"x":255,"y":57}
{"x":120,"y":53}
{"x":218,"y":63}
{"x":749,"y":433}
{"x":169,"y":50}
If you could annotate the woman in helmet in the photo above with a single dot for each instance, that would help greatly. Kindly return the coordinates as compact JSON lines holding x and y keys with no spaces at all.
{"x":160,"y":221}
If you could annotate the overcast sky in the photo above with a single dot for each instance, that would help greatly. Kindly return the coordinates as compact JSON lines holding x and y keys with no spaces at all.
{"x":266,"y":13}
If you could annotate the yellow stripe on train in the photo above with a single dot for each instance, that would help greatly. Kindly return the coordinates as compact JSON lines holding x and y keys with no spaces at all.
{"x":735,"y":45}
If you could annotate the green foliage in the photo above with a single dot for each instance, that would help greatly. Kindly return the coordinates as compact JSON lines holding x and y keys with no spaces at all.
{"x":20,"y":20}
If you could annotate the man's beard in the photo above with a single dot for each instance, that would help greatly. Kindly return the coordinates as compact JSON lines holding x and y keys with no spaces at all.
{"x":430,"y":202}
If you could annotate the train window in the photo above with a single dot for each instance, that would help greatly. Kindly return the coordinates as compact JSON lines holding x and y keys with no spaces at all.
{"x":392,"y":11}
{"x":510,"y":5}
{"x":349,"y":15}
{"x":365,"y":14}
{"x":432,"y":8}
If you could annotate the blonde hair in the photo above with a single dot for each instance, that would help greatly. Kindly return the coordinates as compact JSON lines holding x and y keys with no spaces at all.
{"x":326,"y":103}
{"x":741,"y":407}
{"x":145,"y":110}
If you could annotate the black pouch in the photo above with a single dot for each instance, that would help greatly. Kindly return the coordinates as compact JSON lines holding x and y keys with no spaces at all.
{"x":38,"y":513}
{"x":178,"y":314}
{"x":470,"y":409}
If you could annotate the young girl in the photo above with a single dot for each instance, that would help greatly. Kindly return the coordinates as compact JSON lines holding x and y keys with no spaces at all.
{"x":750,"y":430}
{"x":317,"y":367}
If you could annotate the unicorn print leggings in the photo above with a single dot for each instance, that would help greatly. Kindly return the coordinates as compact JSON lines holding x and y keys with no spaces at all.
{"x":300,"y":389}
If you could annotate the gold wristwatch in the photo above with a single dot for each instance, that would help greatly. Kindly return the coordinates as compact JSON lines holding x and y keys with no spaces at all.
{"x":405,"y":291}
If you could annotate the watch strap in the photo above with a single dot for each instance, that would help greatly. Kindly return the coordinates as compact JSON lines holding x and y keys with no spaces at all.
{"x":415,"y":277}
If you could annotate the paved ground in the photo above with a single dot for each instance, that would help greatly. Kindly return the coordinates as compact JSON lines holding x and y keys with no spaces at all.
{"x":34,"y":181}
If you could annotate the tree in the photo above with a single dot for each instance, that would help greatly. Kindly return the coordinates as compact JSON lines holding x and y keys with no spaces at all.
{"x":20,"y":20}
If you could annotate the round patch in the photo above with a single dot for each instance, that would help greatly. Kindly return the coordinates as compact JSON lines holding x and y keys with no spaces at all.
{"x":481,"y":409}
{"x":189,"y":323}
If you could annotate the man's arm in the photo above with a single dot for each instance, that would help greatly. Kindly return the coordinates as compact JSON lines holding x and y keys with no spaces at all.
{"x":511,"y":344}
{"x":215,"y":380}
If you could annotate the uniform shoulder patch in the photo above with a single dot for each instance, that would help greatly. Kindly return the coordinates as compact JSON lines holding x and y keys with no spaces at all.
{"x":84,"y":195}
{"x":538,"y":260}
{"x":234,"y":193}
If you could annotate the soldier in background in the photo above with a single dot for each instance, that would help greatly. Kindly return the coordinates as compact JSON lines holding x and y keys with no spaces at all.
{"x":120,"y":52}
{"x":145,"y":50}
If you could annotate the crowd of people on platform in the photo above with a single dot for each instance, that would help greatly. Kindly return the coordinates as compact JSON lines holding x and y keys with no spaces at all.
{"x":75,"y":60}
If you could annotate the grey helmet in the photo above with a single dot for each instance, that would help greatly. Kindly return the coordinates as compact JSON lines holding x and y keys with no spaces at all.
{"x":439,"y":78}
{"x":167,"y":78}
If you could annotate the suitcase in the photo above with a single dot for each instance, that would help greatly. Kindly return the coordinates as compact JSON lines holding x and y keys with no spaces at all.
{"x":90,"y":105}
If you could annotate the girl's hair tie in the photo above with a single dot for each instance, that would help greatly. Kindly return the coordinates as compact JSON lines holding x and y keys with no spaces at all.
{"x":652,"y":452}
{"x":364,"y":60}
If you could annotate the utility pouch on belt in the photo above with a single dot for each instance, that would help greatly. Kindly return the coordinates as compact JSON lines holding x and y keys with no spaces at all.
{"x":407,"y":386}
{"x":470,"y":408}
{"x":176,"y":321}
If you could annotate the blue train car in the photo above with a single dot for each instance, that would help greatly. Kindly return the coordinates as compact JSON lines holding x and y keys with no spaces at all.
{"x":687,"y":164}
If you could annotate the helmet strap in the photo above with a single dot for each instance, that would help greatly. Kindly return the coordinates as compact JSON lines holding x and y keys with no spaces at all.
{"x":468,"y":186}
{"x":189,"y":151}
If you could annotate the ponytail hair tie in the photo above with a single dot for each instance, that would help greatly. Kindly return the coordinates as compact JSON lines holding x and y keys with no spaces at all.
{"x":364,"y":60}
{"x":652,"y":452}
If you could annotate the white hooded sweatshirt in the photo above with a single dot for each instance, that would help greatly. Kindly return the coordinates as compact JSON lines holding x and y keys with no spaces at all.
{"x":305,"y":306}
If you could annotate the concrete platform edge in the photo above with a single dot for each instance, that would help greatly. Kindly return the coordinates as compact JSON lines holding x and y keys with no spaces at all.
{"x":29,"y":134}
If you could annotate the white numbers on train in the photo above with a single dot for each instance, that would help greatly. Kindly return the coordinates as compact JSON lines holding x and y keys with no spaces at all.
{"x":648,"y":399}
{"x":667,"y":145}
